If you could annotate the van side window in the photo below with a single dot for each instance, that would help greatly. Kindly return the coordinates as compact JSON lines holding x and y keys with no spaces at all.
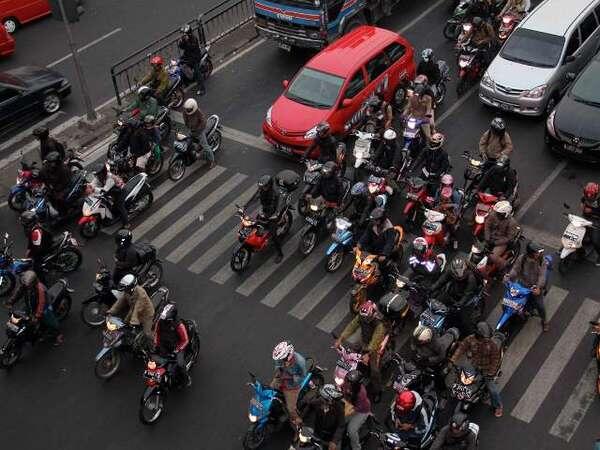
{"x":588,"y":26}
{"x":377,"y":65}
{"x":356,"y":84}
{"x":395,"y":51}
{"x":574,"y":43}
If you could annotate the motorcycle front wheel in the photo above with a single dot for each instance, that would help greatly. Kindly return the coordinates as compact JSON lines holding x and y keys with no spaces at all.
{"x":302,"y":205}
{"x":176,"y":169}
{"x":93,"y":313}
{"x":214,"y":141}
{"x":107,"y":366}
{"x":335,"y":260}
{"x":254,"y":438}
{"x":154,"y":165}
{"x":284,"y":228}
{"x":89,"y":230}
{"x":68,"y":260}
{"x":308,"y":242}
{"x":10,"y":354}
{"x":151,"y":409}
{"x":240,"y":260}
{"x":451,"y":31}
{"x":7,"y":283}
{"x":17,"y":201}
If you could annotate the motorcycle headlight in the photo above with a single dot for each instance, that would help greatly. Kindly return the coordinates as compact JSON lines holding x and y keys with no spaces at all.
{"x":303,"y":439}
{"x":110,"y":326}
{"x":268,"y":116}
{"x":487,"y":81}
{"x":314,"y":207}
{"x":462,"y":63}
{"x":536,"y":92}
{"x":479,"y":219}
{"x":466,"y":379}
{"x":338,"y":381}
{"x":252,"y":418}
{"x":311,"y":134}
{"x":550,"y":123}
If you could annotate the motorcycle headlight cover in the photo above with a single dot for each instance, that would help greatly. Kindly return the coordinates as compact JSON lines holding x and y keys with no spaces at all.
{"x":252,"y":418}
{"x":466,"y":378}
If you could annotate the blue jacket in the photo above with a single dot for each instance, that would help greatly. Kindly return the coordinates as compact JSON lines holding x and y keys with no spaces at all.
{"x":292,"y":377}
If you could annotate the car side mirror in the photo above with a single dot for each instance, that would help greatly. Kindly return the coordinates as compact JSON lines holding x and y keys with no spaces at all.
{"x":285,"y":83}
{"x":346,"y":102}
{"x":570,"y":76}
{"x":570,"y":58}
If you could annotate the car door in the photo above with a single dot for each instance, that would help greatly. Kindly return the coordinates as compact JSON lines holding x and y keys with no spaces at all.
{"x":356,"y":93}
{"x":569,"y":63}
{"x":377,"y":72}
{"x":588,"y":30}
{"x":32,"y":9}
{"x":397,"y":53}
{"x":12,"y":103}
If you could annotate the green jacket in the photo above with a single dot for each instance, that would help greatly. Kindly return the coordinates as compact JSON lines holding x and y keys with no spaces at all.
{"x":376,"y":336}
{"x":147,"y":108}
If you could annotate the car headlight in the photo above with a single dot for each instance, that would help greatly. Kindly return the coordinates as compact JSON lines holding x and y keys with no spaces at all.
{"x":550,"y":124}
{"x":268,"y":116}
{"x":252,"y":418}
{"x":536,"y":92}
{"x":487,"y":81}
{"x":311,"y":134}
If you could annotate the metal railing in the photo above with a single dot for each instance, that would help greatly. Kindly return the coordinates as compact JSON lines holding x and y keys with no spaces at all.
{"x":226,"y":27}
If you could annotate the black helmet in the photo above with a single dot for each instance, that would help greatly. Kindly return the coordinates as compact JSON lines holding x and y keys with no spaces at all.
{"x":533,"y":248}
{"x":127,"y":283}
{"x":186,"y":29}
{"x":330,"y":393}
{"x":169,"y":312}
{"x":498,"y":125}
{"x":265,"y":182}
{"x":477,"y":21}
{"x":41,"y":132}
{"x":458,"y":267}
{"x":378,"y":214}
{"x":459,"y":422}
{"x":328,"y":169}
{"x":123,"y":237}
{"x":53,"y":157}
{"x":419,"y":89}
{"x":323,"y":128}
{"x":483,"y":330}
{"x":353,"y":377}
{"x":28,"y":218}
{"x":100,"y":169}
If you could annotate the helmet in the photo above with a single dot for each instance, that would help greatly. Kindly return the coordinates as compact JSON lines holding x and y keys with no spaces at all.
{"x":405,"y":402}
{"x":328,"y":169}
{"x":353,"y":377}
{"x":421,"y":79}
{"x":483,"y":330}
{"x":28,"y":278}
{"x":419,"y":89}
{"x":123,"y":237}
{"x":169,"y":312}
{"x":533,"y":248}
{"x":423,"y":334}
{"x":447,"y":180}
{"x":186,"y":29}
{"x":380,"y":201}
{"x":149,"y":120}
{"x":144,"y":92}
{"x":99,"y":168}
{"x":53,"y":157}
{"x":458,"y":267}
{"x":498,"y":125}
{"x":503,"y":208}
{"x":156,"y":61}
{"x":190,"y":106}
{"x":283,"y":352}
{"x":459,"y":422}
{"x":477,"y":21}
{"x":378,"y":214}
{"x":28,"y":219}
{"x":373,"y":102}
{"x":367,"y":310}
{"x":359,"y":188}
{"x":265,"y":182}
{"x":330,"y":393}
{"x":389,"y":134}
{"x":419,"y":246}
{"x":127,"y":283}
{"x":437,"y":141}
{"x":591,"y":190}
{"x":41,"y":132}
{"x":323,"y":128}
{"x":503,"y":161}
{"x":427,"y":54}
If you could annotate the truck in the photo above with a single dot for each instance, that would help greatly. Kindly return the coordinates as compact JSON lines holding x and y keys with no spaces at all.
{"x":315,"y":23}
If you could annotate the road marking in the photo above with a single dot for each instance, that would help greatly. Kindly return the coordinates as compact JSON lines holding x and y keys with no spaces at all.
{"x":26,"y":133}
{"x":420,"y":17}
{"x":248,"y":139}
{"x":457,"y":104}
{"x":540,"y":190}
{"x":548,"y":374}
{"x":334,"y":317}
{"x":207,"y":229}
{"x":577,"y":406}
{"x":193,"y":213}
{"x":169,"y":184}
{"x":528,"y":335}
{"x":317,"y":294}
{"x":174,"y":203}
{"x":85,"y":47}
{"x":210,"y":255}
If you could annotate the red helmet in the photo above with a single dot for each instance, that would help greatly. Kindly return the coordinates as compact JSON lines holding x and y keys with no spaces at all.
{"x":405,"y":402}
{"x":590,"y":191}
{"x":156,"y":61}
{"x":367,"y":309}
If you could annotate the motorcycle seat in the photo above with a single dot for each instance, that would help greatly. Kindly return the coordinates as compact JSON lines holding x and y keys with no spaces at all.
{"x":131,"y":183}
{"x":56,"y":291}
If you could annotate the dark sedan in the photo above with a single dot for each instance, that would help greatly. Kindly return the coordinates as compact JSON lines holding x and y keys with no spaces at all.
{"x":26,"y":88}
{"x":572,"y":128}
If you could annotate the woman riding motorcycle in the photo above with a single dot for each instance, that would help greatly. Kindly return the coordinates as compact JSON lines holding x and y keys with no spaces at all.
{"x":357,"y":406}
{"x":112,"y":185}
{"x":420,"y":106}
{"x":290,"y":370}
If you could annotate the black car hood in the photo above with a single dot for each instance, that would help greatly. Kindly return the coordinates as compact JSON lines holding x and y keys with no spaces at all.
{"x":30,"y":76}
{"x":577,"y":119}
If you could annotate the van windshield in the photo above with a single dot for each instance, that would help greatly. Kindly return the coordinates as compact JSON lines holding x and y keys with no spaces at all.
{"x":533,"y":48}
{"x":315,"y":88}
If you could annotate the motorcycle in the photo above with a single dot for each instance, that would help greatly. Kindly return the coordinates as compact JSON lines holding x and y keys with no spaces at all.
{"x":434,"y":231}
{"x":479,"y":257}
{"x":10,"y":267}
{"x":343,"y":242}
{"x":367,"y":275}
{"x":21,"y":329}
{"x":507,"y":24}
{"x":483,"y":208}
{"x":187,"y":151}
{"x":574,"y":246}
{"x":596,"y":333}
{"x":362,"y":151}
{"x":416,"y":196}
{"x":28,"y":182}
{"x":98,"y":209}
{"x":454,"y":23}
{"x":349,"y":358}
{"x":185,"y":71}
{"x":64,"y":256}
{"x":268,"y":413}
{"x":472,"y":176}
{"x":409,"y":377}
{"x":431,"y":404}
{"x":413,"y":138}
{"x":319,"y":218}
{"x":465,"y":316}
{"x":466,"y":385}
{"x":470,"y":67}
{"x":312,"y":176}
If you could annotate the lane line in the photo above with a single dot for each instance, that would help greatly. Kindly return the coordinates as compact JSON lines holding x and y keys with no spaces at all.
{"x":548,"y":374}
{"x":317,"y":294}
{"x":210,"y":255}
{"x":457,"y":104}
{"x":85,"y":47}
{"x":420,"y":17}
{"x":540,"y":190}
{"x":577,"y":406}
{"x":193,"y":213}
{"x":334,"y":317}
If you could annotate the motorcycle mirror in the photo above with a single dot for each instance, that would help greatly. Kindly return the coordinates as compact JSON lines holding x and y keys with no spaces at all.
{"x":285,"y":83}
{"x":346,"y":103}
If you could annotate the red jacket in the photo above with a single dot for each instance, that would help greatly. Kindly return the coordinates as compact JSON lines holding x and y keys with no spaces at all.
{"x":182,"y":335}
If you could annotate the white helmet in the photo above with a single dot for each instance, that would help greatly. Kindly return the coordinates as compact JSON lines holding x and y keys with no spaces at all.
{"x":283,"y":351}
{"x":423,"y":334}
{"x":503,"y":208}
{"x":190,"y":106}
{"x":389,"y":135}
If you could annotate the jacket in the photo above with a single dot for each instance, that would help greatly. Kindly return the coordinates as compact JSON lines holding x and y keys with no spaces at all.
{"x":269,"y":201}
{"x":492,"y":146}
{"x":51,"y":145}
{"x":529,"y":272}
{"x":430,"y":355}
{"x":446,"y":441}
{"x":157,"y":80}
{"x":356,"y":402}
{"x":515,"y":6}
{"x":112,"y":181}
{"x":57,"y":178}
{"x":126,"y":258}
{"x":459,"y":290}
{"x":148,"y":107}
{"x":290,"y":378}
{"x":195,"y":121}
{"x":500,"y":231}
{"x":385,"y":154}
{"x":330,"y":188}
{"x":35,"y":299}
{"x":484,"y":354}
{"x":371,"y":336}
{"x":430,"y":70}
{"x":328,"y":422}
{"x":327,"y":148}
{"x":436,"y":162}
{"x":484,"y":35}
{"x":379,"y":242}
{"x":141,"y":309}
{"x":499,"y":182}
{"x":419,"y":106}
{"x":171,"y":337}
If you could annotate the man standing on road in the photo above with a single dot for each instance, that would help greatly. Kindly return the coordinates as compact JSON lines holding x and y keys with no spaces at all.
{"x":48,"y":144}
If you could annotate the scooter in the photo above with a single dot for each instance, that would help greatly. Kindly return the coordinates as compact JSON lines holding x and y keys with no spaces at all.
{"x":10,"y":267}
{"x":574,"y":246}
{"x":433,"y":230}
{"x":416,"y":196}
{"x":483,"y":208}
{"x":343,"y":243}
{"x":470,"y":67}
{"x":48,"y":214}
{"x":361,"y":151}
{"x":413,"y":138}
{"x":184,"y":70}
{"x":454,"y":23}
{"x":311,"y":178}
{"x":28,"y":182}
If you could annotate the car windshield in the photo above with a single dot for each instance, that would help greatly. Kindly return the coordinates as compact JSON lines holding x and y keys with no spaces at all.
{"x":314,"y":88}
{"x":587,"y":88}
{"x":533,"y":48}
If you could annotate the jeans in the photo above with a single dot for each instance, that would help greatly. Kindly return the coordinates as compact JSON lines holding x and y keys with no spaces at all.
{"x":50,"y":322}
{"x":354,"y":422}
{"x":538,"y":305}
{"x":206,"y":153}
{"x":494,"y":393}
{"x":198,"y":77}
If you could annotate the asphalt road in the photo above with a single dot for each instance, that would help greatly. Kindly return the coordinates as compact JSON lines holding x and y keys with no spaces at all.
{"x":55,"y":393}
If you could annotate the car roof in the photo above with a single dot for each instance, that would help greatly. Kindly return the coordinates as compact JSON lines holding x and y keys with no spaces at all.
{"x":556,"y":16}
{"x":343,"y":56}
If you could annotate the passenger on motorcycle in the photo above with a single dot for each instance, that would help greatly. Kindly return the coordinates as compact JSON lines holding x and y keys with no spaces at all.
{"x":483,"y":37}
{"x":372,"y":331}
{"x":516,"y":7}
{"x":39,"y":239}
{"x":485,"y":355}
{"x":530,"y":270}
{"x":423,"y":261}
{"x":290,"y":370}
{"x":108,"y":183}
{"x":171,"y":341}
{"x":191,"y":55}
{"x":145,"y":102}
{"x":140,"y":309}
{"x":325,"y":142}
{"x":357,"y":406}
{"x":325,"y":414}
{"x":495,"y":142}
{"x":428,"y":66}
{"x":195,"y":121}
{"x":435,"y":162}
{"x":590,"y":207}
{"x":429,"y":349}
{"x":380,"y":238}
{"x":385,"y":108}
{"x":126,"y":256}
{"x":33,"y":294}
{"x":500,"y":229}
{"x":387,"y":151}
{"x":456,"y":435}
{"x":56,"y":176}
{"x":158,"y":77}
{"x":410,"y":417}
{"x":500,"y":179}
{"x":48,"y":144}
{"x":269,"y":201}
{"x":420,"y":106}
{"x":330,"y":185}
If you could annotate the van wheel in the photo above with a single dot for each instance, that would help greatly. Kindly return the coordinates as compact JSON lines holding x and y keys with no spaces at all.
{"x":354,"y":23}
{"x":11,"y":24}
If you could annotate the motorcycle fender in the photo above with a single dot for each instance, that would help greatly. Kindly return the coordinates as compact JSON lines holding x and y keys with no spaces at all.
{"x":103,"y":352}
{"x":332,"y":248}
{"x":506,"y":314}
{"x":86,"y":219}
{"x":148,"y":392}
{"x":565,"y":252}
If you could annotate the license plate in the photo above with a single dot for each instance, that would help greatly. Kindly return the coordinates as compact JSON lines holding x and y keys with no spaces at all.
{"x":505,"y":106}
{"x":573,"y":149}
{"x":12,"y":327}
{"x":511,"y":304}
{"x":284,"y":149}
{"x":312,"y":221}
{"x":286,"y":47}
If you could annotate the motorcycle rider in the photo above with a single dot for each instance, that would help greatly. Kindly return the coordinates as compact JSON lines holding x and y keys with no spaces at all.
{"x":428,"y":66}
{"x":326,"y":414}
{"x":590,"y":207}
{"x":56,"y":176}
{"x":357,"y":406}
{"x":420,"y":106}
{"x":39,"y":240}
{"x":158,"y":78}
{"x":269,"y":202}
{"x":500,"y":229}
{"x":380,"y":238}
{"x":34,"y":295}
{"x":485,"y":355}
{"x":191,"y":55}
{"x":330,"y":185}
{"x":48,"y":144}
{"x":435,"y":162}
{"x":429,"y":349}
{"x":126,"y":256}
{"x":195,"y":121}
{"x":516,"y":7}
{"x":495,"y":142}
{"x":326,"y":143}
{"x":385,"y":108}
{"x":409,"y":417}
{"x":145,"y":102}
{"x":372,"y":331}
{"x":171,"y":338}
{"x":290,"y":371}
{"x":387,"y":151}
{"x":423,"y":261}
{"x":484,"y":38}
{"x":530,"y":270}
{"x":449,"y":200}
{"x":500,"y":179}
{"x":108,"y":183}
{"x":140,"y":309}
{"x":456,"y":435}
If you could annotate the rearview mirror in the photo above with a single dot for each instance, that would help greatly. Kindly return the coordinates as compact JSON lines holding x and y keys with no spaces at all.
{"x":570,"y":58}
{"x":346,"y":102}
{"x":285,"y":83}
{"x":570,"y":76}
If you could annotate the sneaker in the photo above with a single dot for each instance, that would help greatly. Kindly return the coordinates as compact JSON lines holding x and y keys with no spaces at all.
{"x":499,"y":412}
{"x":278,"y":258}
{"x":212,"y":165}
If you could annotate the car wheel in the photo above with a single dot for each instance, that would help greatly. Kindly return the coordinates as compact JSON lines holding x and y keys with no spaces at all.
{"x":51,"y":103}
{"x":11,"y":24}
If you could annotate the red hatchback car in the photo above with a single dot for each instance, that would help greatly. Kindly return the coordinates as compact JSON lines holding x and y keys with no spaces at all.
{"x":335,"y":83}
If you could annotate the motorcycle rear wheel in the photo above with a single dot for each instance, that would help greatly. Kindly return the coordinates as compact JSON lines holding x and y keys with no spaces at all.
{"x":308,"y":242}
{"x":142,"y":203}
{"x":107,"y":366}
{"x":11,"y":353}
{"x":335,"y":260}
{"x":17,"y":201}
{"x":7,"y":284}
{"x":177,"y":169}
{"x":93,"y":314}
{"x":240,"y":260}
{"x":215,"y":141}
{"x":154,"y":404}
{"x":89,"y":230}
{"x":154,"y":165}
{"x":254,"y":438}
{"x":68,"y":260}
